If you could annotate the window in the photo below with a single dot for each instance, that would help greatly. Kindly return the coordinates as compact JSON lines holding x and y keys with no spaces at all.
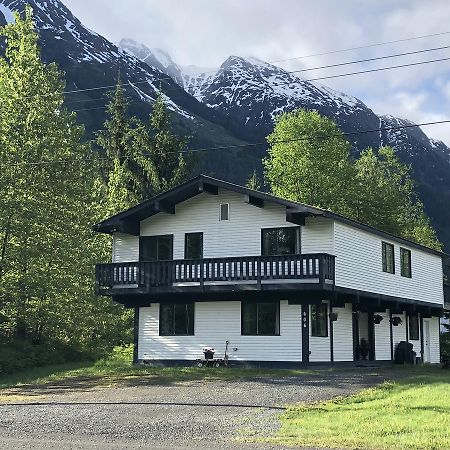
{"x":224,"y":212}
{"x":279,"y":241}
{"x":405,"y":262}
{"x":156,"y":248}
{"x":193,"y":246}
{"x":260,"y":319}
{"x":388,"y":257}
{"x":319,"y":323}
{"x":176,"y":319}
{"x":414,"y":327}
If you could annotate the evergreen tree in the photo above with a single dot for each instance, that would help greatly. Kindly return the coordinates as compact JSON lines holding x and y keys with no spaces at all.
{"x":46,"y":205}
{"x":309,"y":162}
{"x":159,"y":152}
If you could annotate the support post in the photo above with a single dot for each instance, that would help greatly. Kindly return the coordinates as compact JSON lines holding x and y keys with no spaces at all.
{"x":391,"y":333}
{"x":305,"y":334}
{"x":136,"y":335}
{"x":331,"y":332}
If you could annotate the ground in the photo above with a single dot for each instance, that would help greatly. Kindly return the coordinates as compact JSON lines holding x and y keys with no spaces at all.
{"x":163,"y":414}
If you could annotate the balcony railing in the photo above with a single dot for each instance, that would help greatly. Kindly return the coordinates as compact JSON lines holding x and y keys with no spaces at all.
{"x":145,"y":277}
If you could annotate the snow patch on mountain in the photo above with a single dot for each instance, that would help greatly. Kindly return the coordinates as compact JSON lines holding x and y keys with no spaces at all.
{"x":7,"y":13}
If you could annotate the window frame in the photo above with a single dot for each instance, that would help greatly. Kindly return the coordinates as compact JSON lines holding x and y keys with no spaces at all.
{"x":416,"y":327}
{"x":186,"y":235}
{"x":221,"y":219}
{"x":277,"y":319}
{"x":406,"y":274}
{"x":384,"y":261}
{"x":297,"y":249}
{"x":157,"y":237}
{"x":324,"y":315}
{"x":190,"y":330}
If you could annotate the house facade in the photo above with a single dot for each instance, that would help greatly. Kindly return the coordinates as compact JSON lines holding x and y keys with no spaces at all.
{"x":283,"y":283}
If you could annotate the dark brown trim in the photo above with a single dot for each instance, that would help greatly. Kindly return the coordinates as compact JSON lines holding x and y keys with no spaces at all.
{"x":391,"y":334}
{"x":331,"y":332}
{"x":305,"y":334}
{"x":371,"y":335}
{"x":421,"y":338}
{"x":136,"y":335}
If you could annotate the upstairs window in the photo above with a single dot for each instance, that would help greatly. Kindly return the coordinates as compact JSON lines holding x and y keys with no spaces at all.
{"x":388,"y":257}
{"x":224,"y":212}
{"x":319,"y":323}
{"x":193,"y":246}
{"x":414,"y":327}
{"x":156,"y":248}
{"x":176,"y":319}
{"x":405,"y":262}
{"x":260,"y":319}
{"x":279,"y":241}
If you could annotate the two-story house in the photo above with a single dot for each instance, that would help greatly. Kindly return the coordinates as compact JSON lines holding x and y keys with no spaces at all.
{"x":210,"y":261}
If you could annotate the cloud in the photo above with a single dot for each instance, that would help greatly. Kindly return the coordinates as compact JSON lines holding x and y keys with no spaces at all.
{"x":206,"y":32}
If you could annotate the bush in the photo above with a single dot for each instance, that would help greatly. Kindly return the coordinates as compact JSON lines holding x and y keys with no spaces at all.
{"x":21,"y":354}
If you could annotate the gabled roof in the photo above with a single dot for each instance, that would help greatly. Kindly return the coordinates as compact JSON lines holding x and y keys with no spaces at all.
{"x":129,"y":221}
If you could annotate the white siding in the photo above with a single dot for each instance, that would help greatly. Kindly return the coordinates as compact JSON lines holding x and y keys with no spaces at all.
{"x":241,"y":235}
{"x":383,"y":338}
{"x":317,"y":236}
{"x":215,"y":323}
{"x":125,"y":248}
{"x":319,"y":347}
{"x":399,"y":332}
{"x":359,"y":266}
{"x":343,"y":334}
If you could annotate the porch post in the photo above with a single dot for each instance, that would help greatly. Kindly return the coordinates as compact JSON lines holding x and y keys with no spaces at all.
{"x":136,"y":335}
{"x":305,"y":334}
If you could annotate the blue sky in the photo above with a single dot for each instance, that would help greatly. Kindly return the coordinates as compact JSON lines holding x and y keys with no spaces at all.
{"x":206,"y":32}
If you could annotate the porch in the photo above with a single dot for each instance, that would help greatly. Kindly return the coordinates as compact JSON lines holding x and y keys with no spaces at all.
{"x":216,"y":274}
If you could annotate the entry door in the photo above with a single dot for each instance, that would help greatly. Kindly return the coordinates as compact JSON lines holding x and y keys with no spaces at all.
{"x":426,"y":341}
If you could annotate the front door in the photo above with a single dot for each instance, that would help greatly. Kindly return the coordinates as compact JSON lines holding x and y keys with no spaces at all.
{"x":426,"y":341}
{"x":153,"y":249}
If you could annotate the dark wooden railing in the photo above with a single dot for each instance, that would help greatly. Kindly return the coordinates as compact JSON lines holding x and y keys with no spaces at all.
{"x":148,"y":275}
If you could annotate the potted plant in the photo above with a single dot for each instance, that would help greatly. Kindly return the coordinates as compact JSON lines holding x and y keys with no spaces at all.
{"x":363,"y":348}
{"x":396,"y":321}
{"x":208,"y":352}
{"x":377,"y":319}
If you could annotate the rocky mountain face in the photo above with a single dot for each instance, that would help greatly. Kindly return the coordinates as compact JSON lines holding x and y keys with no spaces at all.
{"x":90,"y":61}
{"x":234,"y":104}
{"x":253,"y":93}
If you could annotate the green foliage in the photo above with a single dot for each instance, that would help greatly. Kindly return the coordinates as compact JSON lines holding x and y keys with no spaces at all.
{"x":411,"y":413}
{"x":47,"y":206}
{"x":143,"y":159}
{"x":303,"y":166}
{"x":254,"y":182}
{"x":309,"y":162}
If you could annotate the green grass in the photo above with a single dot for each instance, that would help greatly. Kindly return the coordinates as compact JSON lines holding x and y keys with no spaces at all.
{"x":410,"y":413}
{"x":117,"y":369}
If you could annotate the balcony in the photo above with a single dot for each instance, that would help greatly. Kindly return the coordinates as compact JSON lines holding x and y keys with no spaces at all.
{"x":216,"y":274}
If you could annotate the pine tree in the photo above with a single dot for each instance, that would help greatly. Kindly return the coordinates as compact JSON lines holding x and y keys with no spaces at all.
{"x":46,"y":205}
{"x":159,"y":152}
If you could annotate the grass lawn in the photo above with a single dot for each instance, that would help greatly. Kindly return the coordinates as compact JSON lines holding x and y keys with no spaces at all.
{"x":411,"y":413}
{"x":117,"y":369}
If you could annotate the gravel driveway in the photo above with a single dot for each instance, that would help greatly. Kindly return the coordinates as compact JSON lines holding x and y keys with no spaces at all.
{"x":189,"y":415}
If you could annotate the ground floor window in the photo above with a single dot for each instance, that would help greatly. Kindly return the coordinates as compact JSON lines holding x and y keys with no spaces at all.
{"x":414,"y":327}
{"x":176,"y":319}
{"x":260,"y":319}
{"x":319,"y":325}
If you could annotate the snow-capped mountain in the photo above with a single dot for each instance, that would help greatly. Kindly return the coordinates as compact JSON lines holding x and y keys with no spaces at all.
{"x":235,"y":103}
{"x":252,"y":93}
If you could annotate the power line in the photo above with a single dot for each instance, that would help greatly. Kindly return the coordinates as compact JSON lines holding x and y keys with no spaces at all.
{"x":377,"y":44}
{"x":239,"y":146}
{"x":379,"y":69}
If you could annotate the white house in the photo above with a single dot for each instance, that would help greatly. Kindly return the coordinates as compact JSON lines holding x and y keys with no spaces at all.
{"x":285,"y":283}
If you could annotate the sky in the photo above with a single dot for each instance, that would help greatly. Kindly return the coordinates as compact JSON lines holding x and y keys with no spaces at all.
{"x":205,"y":32}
